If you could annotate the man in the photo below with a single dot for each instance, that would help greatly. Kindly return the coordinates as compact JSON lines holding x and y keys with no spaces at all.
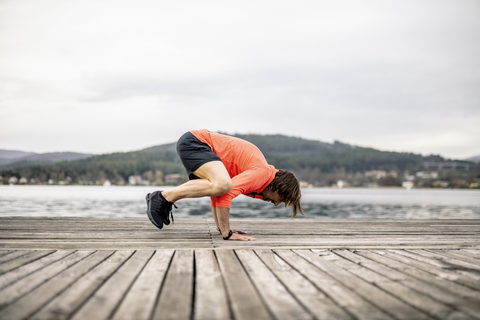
{"x":223,"y":167}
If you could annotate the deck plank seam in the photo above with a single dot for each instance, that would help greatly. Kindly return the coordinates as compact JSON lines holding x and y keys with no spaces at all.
{"x":352,"y":288}
{"x":387,"y":292}
{"x":224,"y":282}
{"x":33,"y":288}
{"x":297,"y":299}
{"x":194,"y":276}
{"x":401,"y":282}
{"x":162,"y":285}
{"x":44,"y":282}
{"x":438,"y":288}
{"x":271,"y":314}
{"x":92,"y":294}
{"x":337,"y":278}
{"x":64,"y":289}
{"x":36,"y":270}
{"x":119,"y":303}
{"x":332,"y":298}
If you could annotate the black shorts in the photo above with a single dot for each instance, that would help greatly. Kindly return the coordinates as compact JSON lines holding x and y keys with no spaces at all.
{"x":194,"y":153}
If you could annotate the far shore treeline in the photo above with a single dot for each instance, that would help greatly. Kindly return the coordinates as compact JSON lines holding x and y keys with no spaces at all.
{"x":315,"y":163}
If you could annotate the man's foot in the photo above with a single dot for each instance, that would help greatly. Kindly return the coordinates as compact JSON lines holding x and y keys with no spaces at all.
{"x":159,"y":209}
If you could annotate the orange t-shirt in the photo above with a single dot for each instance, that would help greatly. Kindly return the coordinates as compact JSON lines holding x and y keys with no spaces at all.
{"x":248,"y":169}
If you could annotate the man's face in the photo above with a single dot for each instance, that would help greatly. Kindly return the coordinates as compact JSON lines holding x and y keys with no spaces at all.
{"x":272,"y":197}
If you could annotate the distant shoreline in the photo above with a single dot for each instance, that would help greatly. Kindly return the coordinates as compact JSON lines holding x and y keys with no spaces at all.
{"x":173,"y":186}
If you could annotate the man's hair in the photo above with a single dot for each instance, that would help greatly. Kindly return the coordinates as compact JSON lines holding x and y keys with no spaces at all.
{"x":288,"y":188}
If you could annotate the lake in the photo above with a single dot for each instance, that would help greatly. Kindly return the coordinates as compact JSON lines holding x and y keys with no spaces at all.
{"x":129,"y":201}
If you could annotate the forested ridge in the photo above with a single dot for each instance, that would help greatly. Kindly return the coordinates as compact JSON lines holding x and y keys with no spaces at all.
{"x":314,"y":162}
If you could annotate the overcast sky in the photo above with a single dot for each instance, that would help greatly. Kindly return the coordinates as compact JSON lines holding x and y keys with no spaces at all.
{"x":105,"y":76}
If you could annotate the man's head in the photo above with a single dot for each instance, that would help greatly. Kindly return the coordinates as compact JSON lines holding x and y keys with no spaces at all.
{"x":286,"y":188}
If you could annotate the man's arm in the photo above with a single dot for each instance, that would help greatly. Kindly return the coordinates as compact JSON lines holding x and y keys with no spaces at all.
{"x":223,"y":222}
{"x":214,"y":213}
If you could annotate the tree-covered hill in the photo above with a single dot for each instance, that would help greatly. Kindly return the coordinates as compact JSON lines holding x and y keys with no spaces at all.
{"x":297,"y":153}
{"x":11,"y":159}
{"x":315,"y":162}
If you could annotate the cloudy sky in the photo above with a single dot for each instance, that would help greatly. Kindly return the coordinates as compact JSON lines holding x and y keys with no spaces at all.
{"x":105,"y":76}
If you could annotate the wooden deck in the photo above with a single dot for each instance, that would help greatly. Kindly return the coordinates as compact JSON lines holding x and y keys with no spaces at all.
{"x":125,"y":268}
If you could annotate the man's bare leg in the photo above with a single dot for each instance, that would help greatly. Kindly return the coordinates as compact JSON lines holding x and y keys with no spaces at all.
{"x":214,"y":181}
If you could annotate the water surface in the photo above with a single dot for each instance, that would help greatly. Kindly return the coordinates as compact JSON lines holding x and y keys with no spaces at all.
{"x":127,"y":201}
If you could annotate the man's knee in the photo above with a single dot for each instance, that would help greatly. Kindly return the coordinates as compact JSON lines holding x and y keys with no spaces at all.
{"x":221,"y":187}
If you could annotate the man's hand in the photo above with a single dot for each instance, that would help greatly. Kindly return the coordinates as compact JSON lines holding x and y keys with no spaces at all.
{"x":239,"y":237}
{"x":224,"y":225}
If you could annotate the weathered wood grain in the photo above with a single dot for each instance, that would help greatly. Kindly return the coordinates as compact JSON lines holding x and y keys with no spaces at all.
{"x":72,"y":233}
{"x":391,"y":281}
{"x":105,"y":300}
{"x":280,"y":302}
{"x":140,"y":300}
{"x":66,"y":304}
{"x":389,"y":304}
{"x":347,"y":299}
{"x":13,"y":254}
{"x":210,"y":296}
{"x":36,"y":298}
{"x":315,"y":301}
{"x":30,"y":282}
{"x":24,"y":270}
{"x":125,"y":268}
{"x":245,"y":301}
{"x":435,"y":287}
{"x":175,"y":301}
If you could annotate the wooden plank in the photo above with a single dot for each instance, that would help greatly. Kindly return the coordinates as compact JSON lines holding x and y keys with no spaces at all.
{"x":441,"y":268}
{"x":471,"y":253}
{"x":210,"y":295}
{"x":4,"y":252}
{"x":391,"y":281}
{"x":104,"y":301}
{"x":389,"y":304}
{"x":451,"y":286}
{"x":24,"y":259}
{"x":118,"y":245}
{"x":35,"y":299}
{"x":64,"y":306}
{"x":436,"y":287}
{"x":261,"y":279}
{"x":245,"y":302}
{"x":315,"y":301}
{"x":464,"y":256}
{"x":13,"y":255}
{"x":28,"y":283}
{"x":347,"y":299}
{"x":461,"y":263}
{"x":14,"y":275}
{"x":175,"y":300}
{"x":280,"y":302}
{"x":140,"y":300}
{"x":116,"y":233}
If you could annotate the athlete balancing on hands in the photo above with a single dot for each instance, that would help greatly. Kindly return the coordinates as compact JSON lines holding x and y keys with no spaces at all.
{"x":223,"y":167}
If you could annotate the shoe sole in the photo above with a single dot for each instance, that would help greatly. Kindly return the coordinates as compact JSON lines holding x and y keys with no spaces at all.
{"x":149,"y":213}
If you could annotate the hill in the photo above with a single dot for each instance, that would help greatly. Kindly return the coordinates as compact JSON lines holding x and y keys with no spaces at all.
{"x":14,"y":154}
{"x":314,"y":162}
{"x":11,"y":159}
{"x":475,"y":159}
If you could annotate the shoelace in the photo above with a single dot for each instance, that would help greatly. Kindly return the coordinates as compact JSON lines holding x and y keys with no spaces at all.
{"x":171,"y":213}
{"x":169,"y":208}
